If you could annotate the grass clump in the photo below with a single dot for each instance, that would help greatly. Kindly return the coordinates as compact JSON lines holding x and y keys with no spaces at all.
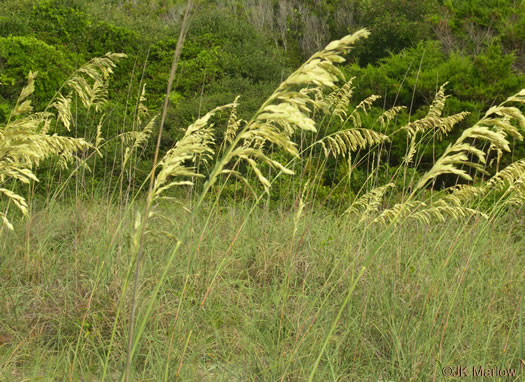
{"x":258,"y":306}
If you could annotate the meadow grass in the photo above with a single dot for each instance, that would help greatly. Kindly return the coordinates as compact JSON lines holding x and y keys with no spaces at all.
{"x":183,"y":283}
{"x":257,"y":303}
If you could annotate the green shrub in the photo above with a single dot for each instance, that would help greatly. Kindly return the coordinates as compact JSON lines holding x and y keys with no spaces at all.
{"x":19,"y":56}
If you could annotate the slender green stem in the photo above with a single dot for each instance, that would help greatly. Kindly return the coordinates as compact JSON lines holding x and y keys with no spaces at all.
{"x":334,"y":324}
{"x":149,"y":200}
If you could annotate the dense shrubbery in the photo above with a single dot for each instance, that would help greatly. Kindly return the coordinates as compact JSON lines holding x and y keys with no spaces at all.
{"x":18,"y":56}
{"x":246,"y":48}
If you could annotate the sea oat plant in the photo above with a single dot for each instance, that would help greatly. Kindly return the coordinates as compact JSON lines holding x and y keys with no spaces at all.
{"x":288,"y":110}
{"x":25,"y":139}
{"x":494,"y":128}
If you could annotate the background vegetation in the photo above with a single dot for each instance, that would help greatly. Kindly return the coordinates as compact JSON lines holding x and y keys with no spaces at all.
{"x":247,"y":47}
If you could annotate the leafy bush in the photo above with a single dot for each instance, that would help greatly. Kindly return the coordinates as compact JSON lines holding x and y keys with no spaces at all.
{"x":19,"y":56}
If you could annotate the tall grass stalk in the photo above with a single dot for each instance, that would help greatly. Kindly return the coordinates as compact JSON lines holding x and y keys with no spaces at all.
{"x":180,"y":43}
